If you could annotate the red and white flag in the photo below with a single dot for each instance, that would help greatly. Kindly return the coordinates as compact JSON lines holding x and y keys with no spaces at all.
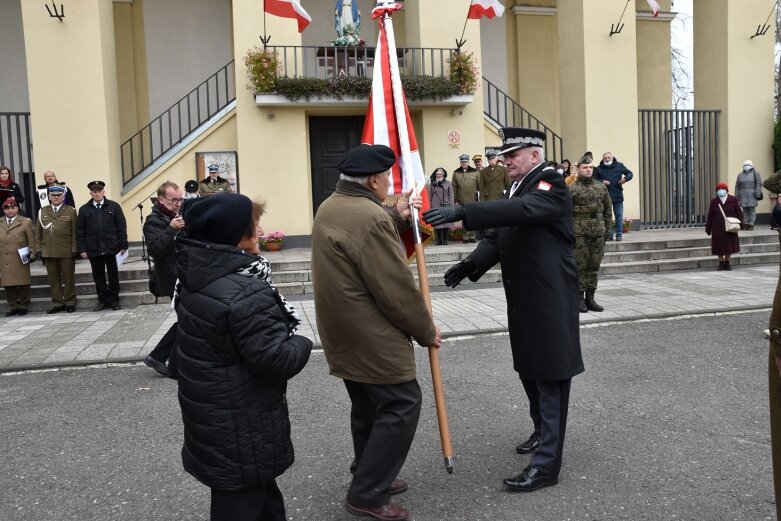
{"x":487,"y":8}
{"x":289,"y":9}
{"x":654,"y":7}
{"x":387,"y":118}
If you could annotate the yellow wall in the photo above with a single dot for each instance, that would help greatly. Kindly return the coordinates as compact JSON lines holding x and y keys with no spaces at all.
{"x":654,"y":85}
{"x":133,"y":91}
{"x":72,"y":80}
{"x":179,"y":169}
{"x":735,"y":73}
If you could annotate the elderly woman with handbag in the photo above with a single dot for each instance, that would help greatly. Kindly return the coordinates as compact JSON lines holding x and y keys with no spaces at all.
{"x":725,"y":218}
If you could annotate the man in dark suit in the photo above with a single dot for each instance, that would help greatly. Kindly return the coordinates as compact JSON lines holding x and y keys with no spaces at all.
{"x":101,"y":233}
{"x":533,"y":241}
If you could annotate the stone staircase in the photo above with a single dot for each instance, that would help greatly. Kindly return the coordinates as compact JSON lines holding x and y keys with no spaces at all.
{"x":640,"y":252}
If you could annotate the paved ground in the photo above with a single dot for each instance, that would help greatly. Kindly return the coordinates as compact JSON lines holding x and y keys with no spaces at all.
{"x":669,"y":422}
{"x":41,"y":340}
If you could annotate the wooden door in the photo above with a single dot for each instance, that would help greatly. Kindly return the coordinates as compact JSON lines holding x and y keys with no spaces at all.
{"x":329,"y":139}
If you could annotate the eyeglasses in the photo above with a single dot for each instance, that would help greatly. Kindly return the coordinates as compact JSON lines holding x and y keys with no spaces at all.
{"x":177,"y":200}
{"x":96,"y":191}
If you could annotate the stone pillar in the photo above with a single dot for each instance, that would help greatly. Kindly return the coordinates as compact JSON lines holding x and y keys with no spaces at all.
{"x":734,"y":72}
{"x":437,"y":122}
{"x":598,"y":75}
{"x":72,"y":77}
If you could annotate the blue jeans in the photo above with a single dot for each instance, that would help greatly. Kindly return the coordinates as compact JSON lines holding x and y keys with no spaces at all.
{"x":618,"y":214}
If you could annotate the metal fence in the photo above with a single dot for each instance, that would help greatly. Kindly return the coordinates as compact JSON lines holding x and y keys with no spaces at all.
{"x":504,"y":111}
{"x":179,"y":121}
{"x":16,"y":152}
{"x":679,"y":166}
{"x":310,"y":61}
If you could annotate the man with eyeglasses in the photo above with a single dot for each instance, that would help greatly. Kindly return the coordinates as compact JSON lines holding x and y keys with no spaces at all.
{"x":160,"y":228}
{"x":101,"y":233}
{"x":55,"y":240}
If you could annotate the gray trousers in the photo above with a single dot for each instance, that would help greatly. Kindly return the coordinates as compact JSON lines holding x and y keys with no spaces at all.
{"x":750,"y":215}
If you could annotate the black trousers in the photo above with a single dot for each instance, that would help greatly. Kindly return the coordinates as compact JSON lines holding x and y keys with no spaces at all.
{"x":548,"y":407}
{"x":162,"y":350}
{"x":262,"y":504}
{"x":383,"y":420}
{"x":101,"y":265}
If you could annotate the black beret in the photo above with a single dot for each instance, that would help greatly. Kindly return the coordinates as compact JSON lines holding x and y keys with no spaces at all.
{"x":191,"y":186}
{"x":365,"y":160}
{"x":221,"y":219}
{"x":96,"y":185}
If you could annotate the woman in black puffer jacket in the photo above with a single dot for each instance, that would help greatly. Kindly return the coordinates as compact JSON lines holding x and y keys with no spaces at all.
{"x":237,"y":348}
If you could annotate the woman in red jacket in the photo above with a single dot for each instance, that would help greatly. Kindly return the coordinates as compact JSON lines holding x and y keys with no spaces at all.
{"x":723,"y":243}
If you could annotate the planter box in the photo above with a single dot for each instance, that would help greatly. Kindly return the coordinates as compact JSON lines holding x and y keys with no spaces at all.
{"x":277,"y":100}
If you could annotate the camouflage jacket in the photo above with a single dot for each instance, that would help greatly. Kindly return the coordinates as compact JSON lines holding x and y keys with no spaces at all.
{"x":592,"y":210}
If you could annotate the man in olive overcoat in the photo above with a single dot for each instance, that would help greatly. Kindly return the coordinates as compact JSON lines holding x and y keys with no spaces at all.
{"x":368,"y":308}
{"x":16,"y":231}
{"x":493,"y":181}
{"x":464,"y":183}
{"x":214,"y":184}
{"x":533,"y":242}
{"x":55,"y":239}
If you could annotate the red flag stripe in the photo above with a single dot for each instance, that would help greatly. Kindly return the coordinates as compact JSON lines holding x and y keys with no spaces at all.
{"x":289,"y":9}
{"x":487,"y":8}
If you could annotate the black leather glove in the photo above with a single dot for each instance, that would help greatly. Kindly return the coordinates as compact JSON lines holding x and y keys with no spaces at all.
{"x":444,"y":214}
{"x":459,"y":272}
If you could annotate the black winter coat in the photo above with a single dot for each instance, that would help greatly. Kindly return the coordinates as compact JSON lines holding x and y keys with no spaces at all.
{"x":613,"y":174}
{"x":235,"y":356}
{"x":534,"y":244}
{"x":159,"y":237}
{"x":101,"y":232}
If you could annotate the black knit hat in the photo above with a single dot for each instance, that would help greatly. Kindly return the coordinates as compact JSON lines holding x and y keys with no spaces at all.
{"x":221,"y":219}
{"x":365,"y":160}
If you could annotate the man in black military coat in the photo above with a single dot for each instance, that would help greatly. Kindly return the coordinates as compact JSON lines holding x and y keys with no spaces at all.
{"x":101,"y":233}
{"x":533,"y":242}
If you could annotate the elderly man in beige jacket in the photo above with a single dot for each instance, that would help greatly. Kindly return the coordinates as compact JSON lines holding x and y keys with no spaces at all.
{"x":368,"y":308}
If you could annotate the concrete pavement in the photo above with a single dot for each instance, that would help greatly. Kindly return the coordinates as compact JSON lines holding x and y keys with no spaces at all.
{"x":38,"y":340}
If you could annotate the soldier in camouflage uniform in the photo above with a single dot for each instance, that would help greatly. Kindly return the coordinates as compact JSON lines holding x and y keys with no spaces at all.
{"x":592,"y":220}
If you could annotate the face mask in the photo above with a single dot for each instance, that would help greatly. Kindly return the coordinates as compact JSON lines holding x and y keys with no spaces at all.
{"x":189,"y":195}
{"x":747,"y":169}
{"x":608,"y":163}
{"x":721,"y":192}
{"x":560,"y":171}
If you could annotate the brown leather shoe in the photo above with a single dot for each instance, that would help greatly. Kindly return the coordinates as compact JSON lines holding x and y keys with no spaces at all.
{"x":389,"y":512}
{"x":398,"y":486}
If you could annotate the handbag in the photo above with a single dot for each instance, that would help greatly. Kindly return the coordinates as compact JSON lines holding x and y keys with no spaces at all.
{"x":761,"y":195}
{"x":731,"y":224}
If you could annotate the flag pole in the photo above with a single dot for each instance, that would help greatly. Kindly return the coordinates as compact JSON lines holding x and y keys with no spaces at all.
{"x":420,"y":257}
{"x":265,"y":39}
{"x":433,"y":352}
{"x":460,"y":42}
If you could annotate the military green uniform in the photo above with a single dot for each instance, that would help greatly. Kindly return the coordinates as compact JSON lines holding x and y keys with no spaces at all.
{"x":465,"y":191}
{"x":55,"y":240}
{"x":592,"y":219}
{"x":209,"y":187}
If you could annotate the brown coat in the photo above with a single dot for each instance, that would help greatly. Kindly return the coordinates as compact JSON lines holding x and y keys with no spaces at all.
{"x":774,"y":388}
{"x":55,"y":233}
{"x":493,"y":182}
{"x":366,"y":300}
{"x":20,"y":234}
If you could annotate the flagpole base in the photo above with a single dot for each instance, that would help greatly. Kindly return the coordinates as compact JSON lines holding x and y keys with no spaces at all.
{"x":449,"y":464}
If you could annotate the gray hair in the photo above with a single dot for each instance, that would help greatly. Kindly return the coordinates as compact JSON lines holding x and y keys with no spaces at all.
{"x":360,"y":180}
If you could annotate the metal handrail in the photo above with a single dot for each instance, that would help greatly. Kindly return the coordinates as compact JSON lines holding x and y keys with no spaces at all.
{"x":326,"y":61}
{"x":177,"y":122}
{"x":504,"y":111}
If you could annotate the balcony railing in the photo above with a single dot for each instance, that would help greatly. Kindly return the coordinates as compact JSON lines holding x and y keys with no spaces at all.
{"x":179,"y":121}
{"x":504,"y":111}
{"x":310,"y":61}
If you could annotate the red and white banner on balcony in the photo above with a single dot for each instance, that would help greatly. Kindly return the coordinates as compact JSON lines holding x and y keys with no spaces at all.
{"x":387,"y":117}
{"x":288,"y":9}
{"x":487,"y":8}
{"x":654,"y":7}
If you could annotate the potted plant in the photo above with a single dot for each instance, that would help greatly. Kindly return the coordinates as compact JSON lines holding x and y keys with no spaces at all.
{"x":463,"y":72}
{"x":272,"y":241}
{"x":457,"y":233}
{"x":627,"y":226}
{"x":262,"y":69}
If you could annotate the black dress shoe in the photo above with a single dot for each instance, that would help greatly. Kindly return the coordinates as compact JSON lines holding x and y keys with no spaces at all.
{"x":11,"y":312}
{"x":100,"y":307}
{"x":70,"y":309}
{"x":531,"y":479}
{"x":530,"y":445}
{"x":21,"y":312}
{"x":116,"y":307}
{"x":55,"y":309}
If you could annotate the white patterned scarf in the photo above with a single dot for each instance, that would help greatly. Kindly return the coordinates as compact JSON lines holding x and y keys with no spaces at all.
{"x":260,"y":268}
